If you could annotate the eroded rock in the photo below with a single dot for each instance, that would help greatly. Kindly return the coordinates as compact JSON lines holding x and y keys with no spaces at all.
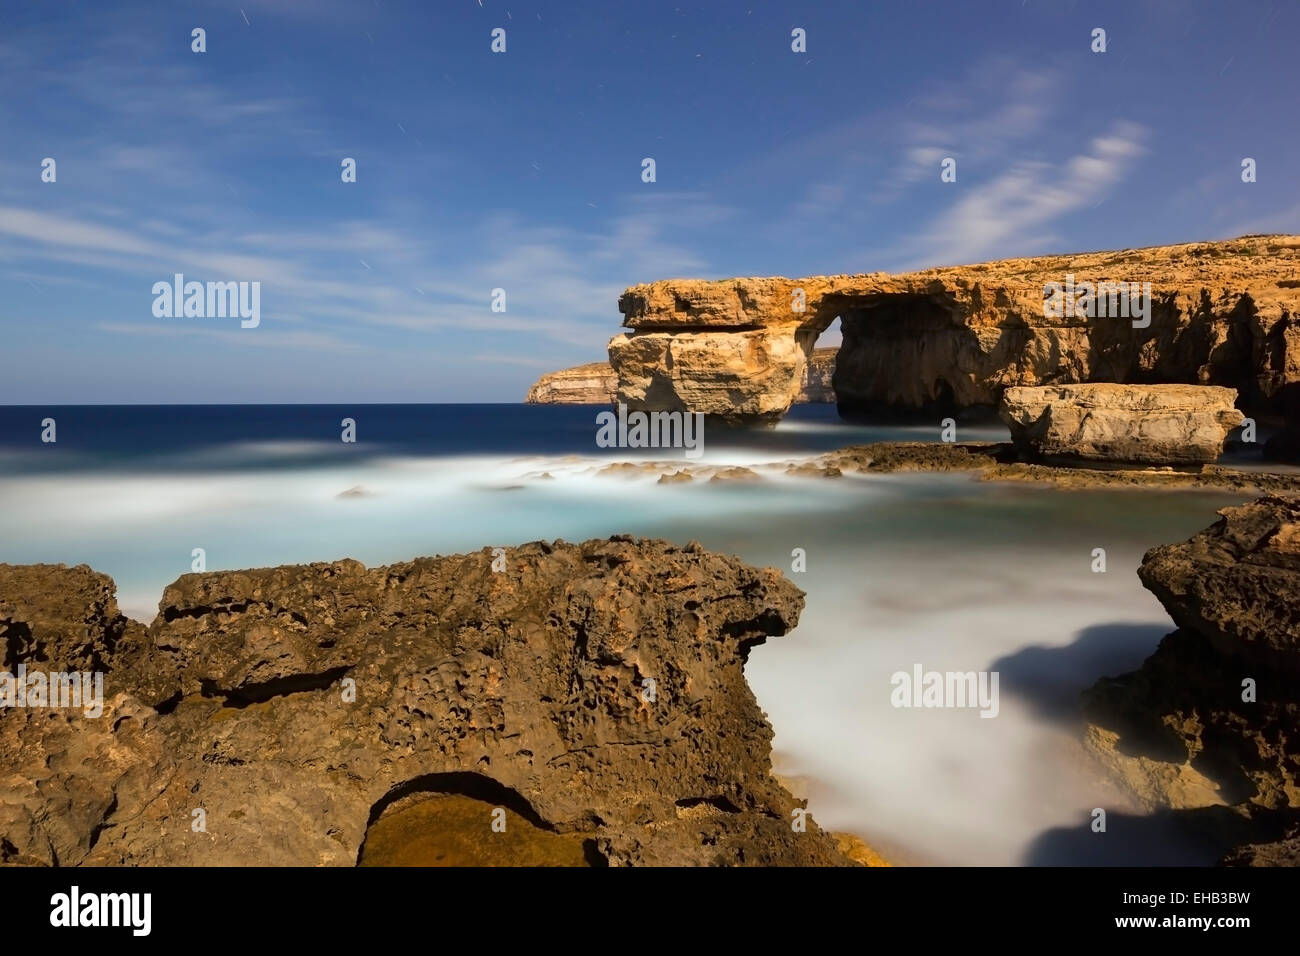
{"x":744,"y":376}
{"x":592,"y":384}
{"x":1212,"y":718}
{"x":597,"y":383}
{"x":1222,"y":313}
{"x":598,"y":689}
{"x":63,"y":773}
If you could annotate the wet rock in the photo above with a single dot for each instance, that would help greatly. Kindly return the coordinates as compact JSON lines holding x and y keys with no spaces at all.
{"x":675,"y":477}
{"x":735,"y":473}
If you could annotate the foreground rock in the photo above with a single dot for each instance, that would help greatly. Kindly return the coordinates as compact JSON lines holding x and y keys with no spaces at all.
{"x":593,"y":690}
{"x":1222,"y":313}
{"x":597,"y":383}
{"x":1187,"y":731}
{"x":1151,"y":424}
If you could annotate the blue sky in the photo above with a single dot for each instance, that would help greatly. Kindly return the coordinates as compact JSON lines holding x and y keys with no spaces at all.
{"x":522,"y":170}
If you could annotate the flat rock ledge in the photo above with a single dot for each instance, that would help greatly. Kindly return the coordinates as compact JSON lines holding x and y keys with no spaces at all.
{"x":594,"y":690}
{"x":1187,"y":732}
{"x":984,"y":461}
{"x":1148,"y":424}
{"x":1000,"y":461}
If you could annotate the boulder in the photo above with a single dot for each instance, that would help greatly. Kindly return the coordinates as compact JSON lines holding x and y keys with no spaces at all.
{"x":1152,"y":424}
{"x":1210,"y":724}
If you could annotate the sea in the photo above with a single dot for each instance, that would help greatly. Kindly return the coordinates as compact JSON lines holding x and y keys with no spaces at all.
{"x":937,"y":571}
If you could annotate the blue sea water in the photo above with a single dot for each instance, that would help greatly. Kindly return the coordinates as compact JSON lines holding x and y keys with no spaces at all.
{"x":938,"y":570}
{"x":182,"y":437}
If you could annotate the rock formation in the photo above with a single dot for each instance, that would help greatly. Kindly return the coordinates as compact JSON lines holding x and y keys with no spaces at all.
{"x":592,"y":384}
{"x":596,"y":383}
{"x":594,"y":691}
{"x":817,"y":385}
{"x":1187,"y":731}
{"x":1152,"y":424}
{"x":1222,"y":313}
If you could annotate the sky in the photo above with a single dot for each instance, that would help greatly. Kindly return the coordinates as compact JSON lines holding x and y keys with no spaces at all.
{"x":522,"y":170}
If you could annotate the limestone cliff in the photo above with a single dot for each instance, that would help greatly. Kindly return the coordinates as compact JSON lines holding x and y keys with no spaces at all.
{"x":1222,"y":313}
{"x":595,"y":691}
{"x":817,"y":377}
{"x":596,"y":383}
{"x":592,"y":384}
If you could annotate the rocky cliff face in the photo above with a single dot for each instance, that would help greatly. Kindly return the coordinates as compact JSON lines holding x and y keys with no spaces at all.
{"x":1210,"y":724}
{"x":597,"y":383}
{"x":1151,"y":424}
{"x":1222,"y":313}
{"x":594,"y":691}
{"x":817,"y":377}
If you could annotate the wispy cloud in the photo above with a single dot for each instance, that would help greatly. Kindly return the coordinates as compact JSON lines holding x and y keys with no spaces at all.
{"x":295,"y":340}
{"x":991,"y":113}
{"x":1022,"y":203}
{"x":561,"y":284}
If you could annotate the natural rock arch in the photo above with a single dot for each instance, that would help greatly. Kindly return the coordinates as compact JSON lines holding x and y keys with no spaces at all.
{"x":1220,"y":313}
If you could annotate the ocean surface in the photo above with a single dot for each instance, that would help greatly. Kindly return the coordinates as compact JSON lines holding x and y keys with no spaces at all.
{"x":939,"y":571}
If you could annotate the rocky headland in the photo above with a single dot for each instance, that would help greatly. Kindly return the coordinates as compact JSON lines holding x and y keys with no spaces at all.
{"x":596,"y":383}
{"x":592,"y":384}
{"x":591,"y":697}
{"x":1221,"y":314}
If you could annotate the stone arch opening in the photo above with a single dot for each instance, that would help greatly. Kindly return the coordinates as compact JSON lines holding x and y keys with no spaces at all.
{"x":944,"y":399}
{"x":447,"y":819}
{"x":821,"y":346}
{"x":904,"y":354}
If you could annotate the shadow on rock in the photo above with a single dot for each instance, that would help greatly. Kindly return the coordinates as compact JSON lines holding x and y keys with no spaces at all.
{"x":1050,"y":679}
{"x":1166,"y":838}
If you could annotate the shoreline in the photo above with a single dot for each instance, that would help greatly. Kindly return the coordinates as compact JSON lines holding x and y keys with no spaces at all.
{"x":989,"y":461}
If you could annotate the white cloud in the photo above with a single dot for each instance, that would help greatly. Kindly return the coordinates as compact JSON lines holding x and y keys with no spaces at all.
{"x":1018,"y":204}
{"x":562,"y":285}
